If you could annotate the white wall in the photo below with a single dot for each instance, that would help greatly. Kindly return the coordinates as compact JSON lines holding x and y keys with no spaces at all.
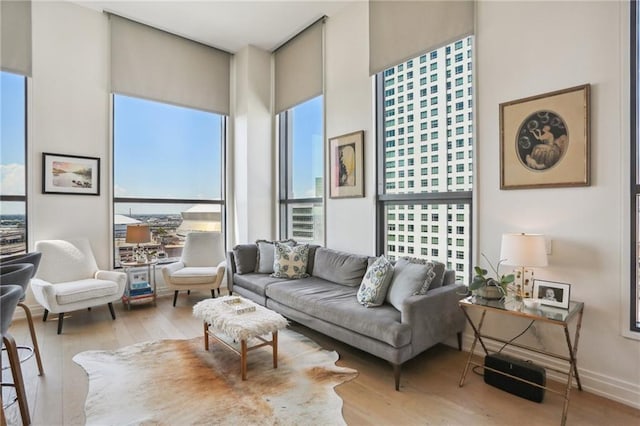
{"x":69,"y":114}
{"x":350,"y":222}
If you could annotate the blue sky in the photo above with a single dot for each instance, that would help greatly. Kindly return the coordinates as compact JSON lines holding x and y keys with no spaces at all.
{"x":160,"y":150}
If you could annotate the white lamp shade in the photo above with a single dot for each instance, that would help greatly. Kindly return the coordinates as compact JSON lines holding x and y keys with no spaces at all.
{"x":523,"y":250}
{"x":138,"y":234}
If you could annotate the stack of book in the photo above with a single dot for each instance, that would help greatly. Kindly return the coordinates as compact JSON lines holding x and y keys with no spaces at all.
{"x":140,"y":289}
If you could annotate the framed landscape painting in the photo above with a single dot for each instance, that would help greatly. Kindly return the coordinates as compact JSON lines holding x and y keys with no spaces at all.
{"x":70,"y":174}
{"x":544,"y":140}
{"x":346,"y":165}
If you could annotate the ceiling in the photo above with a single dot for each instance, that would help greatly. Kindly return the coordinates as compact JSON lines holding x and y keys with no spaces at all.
{"x":228,"y":25}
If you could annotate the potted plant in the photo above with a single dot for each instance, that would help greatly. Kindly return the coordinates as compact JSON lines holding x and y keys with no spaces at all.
{"x":490,"y":288}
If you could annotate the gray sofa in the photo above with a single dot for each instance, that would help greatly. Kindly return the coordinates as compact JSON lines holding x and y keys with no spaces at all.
{"x":326,"y":302}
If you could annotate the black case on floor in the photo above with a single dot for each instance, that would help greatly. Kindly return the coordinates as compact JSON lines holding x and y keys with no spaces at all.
{"x":519,"y":368}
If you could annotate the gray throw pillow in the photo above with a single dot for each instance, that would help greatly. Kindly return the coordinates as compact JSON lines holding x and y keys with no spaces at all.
{"x":408,"y":279}
{"x":244,"y":256}
{"x":266,"y":255}
{"x":434,"y":280}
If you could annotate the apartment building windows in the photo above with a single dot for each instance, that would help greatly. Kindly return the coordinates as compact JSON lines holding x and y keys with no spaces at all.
{"x":634,"y":297}
{"x":434,"y":205}
{"x":302,"y":171}
{"x":13,"y":155}
{"x":167,"y":172}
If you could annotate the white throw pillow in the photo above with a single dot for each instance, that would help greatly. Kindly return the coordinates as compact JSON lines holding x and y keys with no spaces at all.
{"x":375,"y":283}
{"x":264,"y":262}
{"x":290,"y":261}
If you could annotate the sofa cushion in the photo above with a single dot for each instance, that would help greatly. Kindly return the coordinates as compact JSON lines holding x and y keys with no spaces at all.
{"x":257,"y":283}
{"x":435,"y":281}
{"x":80,"y":290}
{"x":195,"y":275}
{"x":408,"y":279}
{"x":244,"y":256}
{"x":290,"y":262}
{"x":339,"y":267}
{"x":375,"y":283}
{"x":337,"y":305}
{"x":266,"y":255}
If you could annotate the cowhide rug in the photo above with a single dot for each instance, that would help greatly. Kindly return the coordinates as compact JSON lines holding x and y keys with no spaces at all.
{"x":175,"y":382}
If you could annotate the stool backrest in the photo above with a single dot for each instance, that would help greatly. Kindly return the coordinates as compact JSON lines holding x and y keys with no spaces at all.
{"x":32,"y":258}
{"x":9,"y":297}
{"x":17,"y":274}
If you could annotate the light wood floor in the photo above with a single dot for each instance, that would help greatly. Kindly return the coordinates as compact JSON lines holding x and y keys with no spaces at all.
{"x":429,"y":386}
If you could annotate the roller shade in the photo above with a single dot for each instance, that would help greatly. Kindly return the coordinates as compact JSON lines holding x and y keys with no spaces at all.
{"x":299,"y":68}
{"x":15,"y":35}
{"x":153,"y":64}
{"x":400,"y":30}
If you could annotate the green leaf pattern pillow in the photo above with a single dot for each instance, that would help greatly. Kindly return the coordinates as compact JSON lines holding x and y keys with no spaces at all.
{"x":290,"y":261}
{"x":375,"y":283}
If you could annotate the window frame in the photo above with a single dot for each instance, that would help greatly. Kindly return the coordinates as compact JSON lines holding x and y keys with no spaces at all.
{"x":634,"y":308}
{"x":22,"y":198}
{"x":150,"y":200}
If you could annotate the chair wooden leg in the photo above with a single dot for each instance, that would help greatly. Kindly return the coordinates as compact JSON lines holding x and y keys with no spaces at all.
{"x":175,"y":297}
{"x":34,"y":339}
{"x":188,"y":292}
{"x":60,"y":319}
{"x":213,"y":293}
{"x":16,"y":372}
{"x":45,"y":315}
{"x":460,"y":341}
{"x":113,"y":313}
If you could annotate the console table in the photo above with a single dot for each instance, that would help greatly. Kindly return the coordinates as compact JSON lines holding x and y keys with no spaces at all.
{"x":550,"y":315}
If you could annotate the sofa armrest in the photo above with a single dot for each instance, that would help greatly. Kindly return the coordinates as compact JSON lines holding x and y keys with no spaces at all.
{"x":434,"y":316}
{"x":231,"y":269}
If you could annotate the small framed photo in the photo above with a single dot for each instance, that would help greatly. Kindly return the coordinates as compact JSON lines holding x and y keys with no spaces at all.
{"x":346,"y":165}
{"x":552,"y":293}
{"x":544,"y":140}
{"x":70,"y":174}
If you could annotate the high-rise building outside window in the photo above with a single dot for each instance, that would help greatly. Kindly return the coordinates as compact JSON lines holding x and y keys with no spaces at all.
{"x":441,"y":202}
{"x":634,"y":309}
{"x":168,"y":172}
{"x":13,"y":134}
{"x":302,"y":172}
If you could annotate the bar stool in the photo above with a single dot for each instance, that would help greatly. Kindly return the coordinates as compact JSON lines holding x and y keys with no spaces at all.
{"x":9,"y":296}
{"x":34,"y":259}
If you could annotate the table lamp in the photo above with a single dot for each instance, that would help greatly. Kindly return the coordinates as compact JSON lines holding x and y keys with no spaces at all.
{"x":524,"y":251}
{"x":138,"y":234}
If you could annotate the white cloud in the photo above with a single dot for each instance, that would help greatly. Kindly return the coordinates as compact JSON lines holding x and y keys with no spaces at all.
{"x":12,"y":179}
{"x":119,"y":191}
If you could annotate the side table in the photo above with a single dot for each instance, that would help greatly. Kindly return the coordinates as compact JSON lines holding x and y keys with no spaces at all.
{"x":549,"y":315}
{"x":147,"y":297}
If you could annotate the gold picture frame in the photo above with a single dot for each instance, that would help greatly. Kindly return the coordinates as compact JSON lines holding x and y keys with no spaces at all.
{"x":346,"y":165}
{"x":544,"y":140}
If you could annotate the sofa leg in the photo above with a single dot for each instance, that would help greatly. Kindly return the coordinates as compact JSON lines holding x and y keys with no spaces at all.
{"x":188,"y":292}
{"x":113,"y":313}
{"x":60,"y":319}
{"x":45,"y":315}
{"x":213,"y":293}
{"x":396,"y":374}
{"x":460,"y":341}
{"x":175,"y":298}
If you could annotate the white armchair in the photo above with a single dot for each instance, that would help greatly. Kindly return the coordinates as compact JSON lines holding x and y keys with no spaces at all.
{"x":68,"y":279}
{"x":201,"y":266}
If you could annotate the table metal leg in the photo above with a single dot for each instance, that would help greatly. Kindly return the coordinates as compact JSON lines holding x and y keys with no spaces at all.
{"x":476,"y":333}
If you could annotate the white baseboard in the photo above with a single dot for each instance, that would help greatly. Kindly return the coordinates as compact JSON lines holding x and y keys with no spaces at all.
{"x":618,"y":390}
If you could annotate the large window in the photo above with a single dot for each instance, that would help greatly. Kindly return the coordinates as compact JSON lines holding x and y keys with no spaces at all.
{"x":635,"y":168}
{"x":13,"y":195}
{"x":425,"y":161}
{"x":168,"y":165}
{"x":301,"y":172}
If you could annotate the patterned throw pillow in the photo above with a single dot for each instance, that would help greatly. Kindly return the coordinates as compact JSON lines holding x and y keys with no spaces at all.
{"x":375,"y":283}
{"x":266,"y":254}
{"x":290,"y":261}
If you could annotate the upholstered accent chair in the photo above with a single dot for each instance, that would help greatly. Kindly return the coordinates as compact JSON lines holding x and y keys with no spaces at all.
{"x":201,"y":267}
{"x":69,"y":279}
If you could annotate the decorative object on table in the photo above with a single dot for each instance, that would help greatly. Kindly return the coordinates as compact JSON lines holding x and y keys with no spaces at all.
{"x":346,"y":165}
{"x":139,"y":234}
{"x":544,"y":140}
{"x":523,"y":251}
{"x":129,"y":385}
{"x":531,"y":303}
{"x":490,"y":288}
{"x":70,"y":174}
{"x":552,"y":293}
